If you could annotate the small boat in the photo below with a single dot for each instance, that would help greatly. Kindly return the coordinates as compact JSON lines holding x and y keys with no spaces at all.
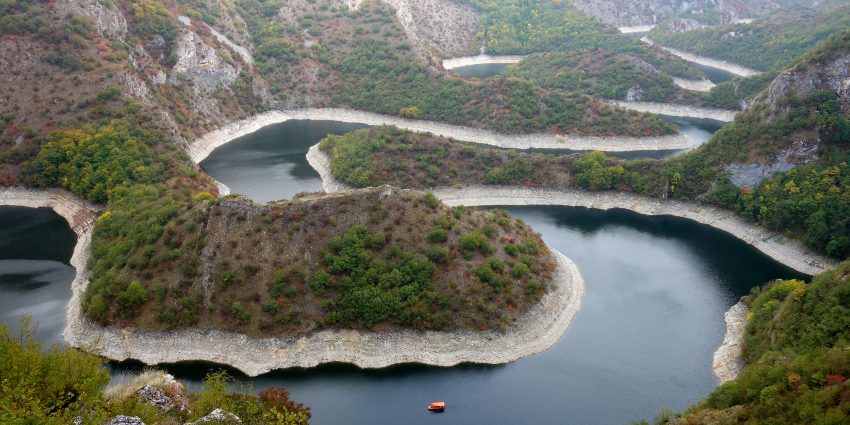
{"x":437,"y":406}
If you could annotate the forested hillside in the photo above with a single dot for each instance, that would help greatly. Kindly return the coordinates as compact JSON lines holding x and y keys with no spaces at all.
{"x":768,"y":44}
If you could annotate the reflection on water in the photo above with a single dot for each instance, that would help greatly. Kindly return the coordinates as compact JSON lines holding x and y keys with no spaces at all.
{"x":484,"y":70}
{"x":35,"y":278}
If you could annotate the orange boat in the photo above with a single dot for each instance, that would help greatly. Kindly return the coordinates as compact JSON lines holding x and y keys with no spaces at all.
{"x":437,"y":406}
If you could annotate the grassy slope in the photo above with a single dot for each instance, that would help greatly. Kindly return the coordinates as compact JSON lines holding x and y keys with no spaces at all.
{"x":771,"y":43}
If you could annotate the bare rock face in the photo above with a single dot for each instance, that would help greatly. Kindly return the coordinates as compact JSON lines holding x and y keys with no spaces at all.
{"x":442,"y":28}
{"x":681,"y":25}
{"x":126,"y":420}
{"x":751,"y":175}
{"x":633,"y":94}
{"x":199,"y":64}
{"x":647,"y":12}
{"x":804,"y":80}
{"x":107,"y":21}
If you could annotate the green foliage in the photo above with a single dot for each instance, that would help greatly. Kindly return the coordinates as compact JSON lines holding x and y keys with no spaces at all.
{"x":595,"y":72}
{"x":767,"y":44}
{"x":372,"y":290}
{"x":594,"y":173}
{"x":46,"y":386}
{"x":151,"y":17}
{"x":731,"y":94}
{"x":475,"y":241}
{"x":534,"y":26}
{"x":797,"y":355}
{"x":376,"y":78}
{"x":94,"y":162}
{"x":136,"y":220}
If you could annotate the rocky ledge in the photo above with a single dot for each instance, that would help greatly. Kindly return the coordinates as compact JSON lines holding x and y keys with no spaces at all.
{"x":739,"y":70}
{"x":480,"y":60}
{"x":703,"y":85}
{"x":773,"y":244}
{"x":728,"y":359}
{"x":200,"y":148}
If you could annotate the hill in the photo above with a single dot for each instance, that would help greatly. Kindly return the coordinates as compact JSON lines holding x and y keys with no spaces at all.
{"x":767,"y":44}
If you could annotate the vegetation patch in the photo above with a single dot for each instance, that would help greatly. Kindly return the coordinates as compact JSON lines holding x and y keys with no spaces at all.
{"x":356,"y":261}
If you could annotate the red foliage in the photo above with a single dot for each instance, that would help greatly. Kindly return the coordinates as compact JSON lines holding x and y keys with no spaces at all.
{"x":279,"y":398}
{"x":835,"y":379}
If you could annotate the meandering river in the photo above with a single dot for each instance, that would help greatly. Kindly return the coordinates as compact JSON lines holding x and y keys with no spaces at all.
{"x":652,"y":315}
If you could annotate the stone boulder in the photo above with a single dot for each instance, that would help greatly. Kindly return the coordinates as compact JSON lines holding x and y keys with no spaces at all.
{"x":126,"y":420}
{"x":155,"y":396}
{"x":217,"y":415}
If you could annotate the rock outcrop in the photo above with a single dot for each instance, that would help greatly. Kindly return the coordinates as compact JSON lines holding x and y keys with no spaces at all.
{"x":807,"y":78}
{"x":155,"y":396}
{"x":217,"y":416}
{"x":728,"y":361}
{"x":126,"y":420}
{"x":200,"y":65}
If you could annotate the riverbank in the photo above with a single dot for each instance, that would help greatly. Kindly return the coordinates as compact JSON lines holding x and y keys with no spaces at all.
{"x":480,"y":60}
{"x":636,"y":29}
{"x":675,"y":110}
{"x":200,"y":148}
{"x":739,"y":70}
{"x":773,"y":244}
{"x":728,"y":360}
{"x":535,"y":331}
{"x":80,"y":215}
{"x":703,"y":86}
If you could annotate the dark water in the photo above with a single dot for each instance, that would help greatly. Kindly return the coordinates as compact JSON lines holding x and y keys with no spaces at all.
{"x":483,"y":70}
{"x":651,"y":318}
{"x":269,"y":164}
{"x":717,"y":76}
{"x":35,"y":278}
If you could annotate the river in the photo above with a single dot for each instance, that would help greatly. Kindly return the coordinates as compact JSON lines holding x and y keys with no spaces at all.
{"x":656,"y":291}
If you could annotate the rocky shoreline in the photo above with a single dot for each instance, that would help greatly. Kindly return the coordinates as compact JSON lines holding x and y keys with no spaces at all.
{"x":675,"y":110}
{"x":773,"y":244}
{"x":200,"y":148}
{"x":535,"y":331}
{"x":728,"y":360}
{"x":480,"y":60}
{"x":739,"y":70}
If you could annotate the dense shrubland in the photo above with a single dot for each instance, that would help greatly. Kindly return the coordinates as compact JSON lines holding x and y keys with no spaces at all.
{"x":797,"y":355}
{"x":60,"y":385}
{"x":771,"y":43}
{"x":738,"y":92}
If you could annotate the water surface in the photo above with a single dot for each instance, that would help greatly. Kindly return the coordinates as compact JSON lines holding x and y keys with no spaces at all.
{"x":483,"y":70}
{"x":35,"y":278}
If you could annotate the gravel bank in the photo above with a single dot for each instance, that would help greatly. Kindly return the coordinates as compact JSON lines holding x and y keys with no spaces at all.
{"x":694,"y":85}
{"x":479,"y":60}
{"x":733,"y":68}
{"x":200,"y":148}
{"x":675,"y":110}
{"x":789,"y":252}
{"x":728,"y":361}
{"x":640,"y":28}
